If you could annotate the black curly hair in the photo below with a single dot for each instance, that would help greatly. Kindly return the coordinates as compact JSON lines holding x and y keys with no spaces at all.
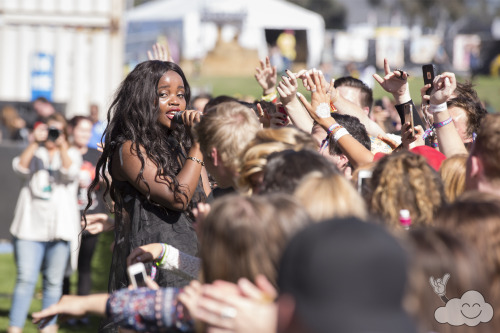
{"x":133,"y":116}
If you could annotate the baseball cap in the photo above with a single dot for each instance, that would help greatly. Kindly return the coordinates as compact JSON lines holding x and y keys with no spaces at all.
{"x":346,"y":276}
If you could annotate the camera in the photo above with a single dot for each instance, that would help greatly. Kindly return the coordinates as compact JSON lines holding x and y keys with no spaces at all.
{"x":54,"y":133}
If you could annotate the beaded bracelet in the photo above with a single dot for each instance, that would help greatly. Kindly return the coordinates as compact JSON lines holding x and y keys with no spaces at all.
{"x":197,"y":160}
{"x":333,"y":127}
{"x":443,"y":123}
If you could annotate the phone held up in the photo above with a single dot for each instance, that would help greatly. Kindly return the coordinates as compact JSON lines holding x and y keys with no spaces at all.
{"x":429,"y":72}
{"x":137,"y":275}
{"x":363,"y":179}
{"x":408,"y":109}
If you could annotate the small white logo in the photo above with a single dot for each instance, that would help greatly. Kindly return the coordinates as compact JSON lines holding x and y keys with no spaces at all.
{"x":471,"y":309}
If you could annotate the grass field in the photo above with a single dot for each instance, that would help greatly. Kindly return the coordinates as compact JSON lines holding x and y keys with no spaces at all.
{"x":488,"y":88}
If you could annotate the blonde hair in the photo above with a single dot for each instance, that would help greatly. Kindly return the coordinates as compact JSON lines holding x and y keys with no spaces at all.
{"x":329,"y":197}
{"x":267,"y":141}
{"x":404,"y":180}
{"x":245,"y":236}
{"x":452,"y":173}
{"x":229,"y":127}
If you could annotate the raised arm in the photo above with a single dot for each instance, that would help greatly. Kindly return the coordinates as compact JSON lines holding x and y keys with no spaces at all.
{"x":396,"y":83}
{"x":287,"y":89}
{"x":266,"y":77}
{"x":449,"y":140}
{"x":319,"y":110}
{"x":343,"y":105}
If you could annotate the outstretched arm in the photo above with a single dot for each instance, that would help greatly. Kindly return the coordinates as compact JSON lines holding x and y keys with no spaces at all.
{"x":319,"y":110}
{"x":449,"y":140}
{"x":343,"y":105}
{"x":73,"y":306}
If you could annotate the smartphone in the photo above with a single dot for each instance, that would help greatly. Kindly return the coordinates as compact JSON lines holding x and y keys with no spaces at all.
{"x":429,"y":72}
{"x":137,"y":275}
{"x":363,"y":179}
{"x":53,"y":134}
{"x":408,"y":109}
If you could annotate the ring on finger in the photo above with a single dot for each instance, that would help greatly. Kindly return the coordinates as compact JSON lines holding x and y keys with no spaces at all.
{"x":228,"y":313}
{"x":313,"y":90}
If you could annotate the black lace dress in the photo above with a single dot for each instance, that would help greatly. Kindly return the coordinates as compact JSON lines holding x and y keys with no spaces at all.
{"x":139,"y":222}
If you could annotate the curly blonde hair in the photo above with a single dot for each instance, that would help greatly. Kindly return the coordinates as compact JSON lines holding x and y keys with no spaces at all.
{"x":404,"y":180}
{"x":267,"y":141}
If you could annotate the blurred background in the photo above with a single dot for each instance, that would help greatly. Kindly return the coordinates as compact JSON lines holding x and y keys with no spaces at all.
{"x":75,"y":53}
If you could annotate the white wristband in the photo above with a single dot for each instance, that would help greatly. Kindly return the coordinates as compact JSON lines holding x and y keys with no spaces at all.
{"x":323,"y":110}
{"x":438,"y":108}
{"x":339,"y":133}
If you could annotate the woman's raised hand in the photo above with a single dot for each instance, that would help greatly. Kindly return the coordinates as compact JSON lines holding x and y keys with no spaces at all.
{"x":266,"y":76}
{"x":319,"y":108}
{"x":287,"y":88}
{"x":160,"y":52}
{"x":190,"y":117}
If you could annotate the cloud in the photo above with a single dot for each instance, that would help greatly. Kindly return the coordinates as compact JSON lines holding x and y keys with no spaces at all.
{"x":471,"y":309}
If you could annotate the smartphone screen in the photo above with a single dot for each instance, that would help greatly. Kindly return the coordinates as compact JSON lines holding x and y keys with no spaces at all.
{"x":140,"y":279}
{"x":409,"y":118}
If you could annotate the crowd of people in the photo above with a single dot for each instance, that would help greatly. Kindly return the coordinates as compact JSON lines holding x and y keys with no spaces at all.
{"x":258,"y":217}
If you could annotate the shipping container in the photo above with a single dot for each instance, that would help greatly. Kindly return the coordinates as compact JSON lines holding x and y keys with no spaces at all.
{"x":70,"y":51}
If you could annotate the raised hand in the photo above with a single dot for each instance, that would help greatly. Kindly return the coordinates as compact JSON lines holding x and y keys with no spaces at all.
{"x":444,"y":86}
{"x":287,"y":88}
{"x":395,"y":82}
{"x":409,"y":140}
{"x":266,"y":76}
{"x":439,"y":285}
{"x":319,"y":107}
{"x":160,"y":52}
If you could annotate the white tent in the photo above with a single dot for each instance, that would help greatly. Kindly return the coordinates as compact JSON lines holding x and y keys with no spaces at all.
{"x":199,"y":32}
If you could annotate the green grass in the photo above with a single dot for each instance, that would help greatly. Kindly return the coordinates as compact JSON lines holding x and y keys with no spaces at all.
{"x":488,"y":88}
{"x":100,"y":271}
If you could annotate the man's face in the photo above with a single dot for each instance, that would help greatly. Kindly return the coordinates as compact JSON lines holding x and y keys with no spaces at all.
{"x":460,"y":119}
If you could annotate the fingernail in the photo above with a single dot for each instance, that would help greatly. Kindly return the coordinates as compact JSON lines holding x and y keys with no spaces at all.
{"x":299,"y":94}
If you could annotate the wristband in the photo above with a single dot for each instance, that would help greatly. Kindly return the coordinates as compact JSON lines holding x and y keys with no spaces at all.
{"x":443,"y":123}
{"x":272,"y":97}
{"x":339,"y":133}
{"x":323,"y":110}
{"x":438,"y":108}
{"x":333,"y":127}
{"x":160,"y":262}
